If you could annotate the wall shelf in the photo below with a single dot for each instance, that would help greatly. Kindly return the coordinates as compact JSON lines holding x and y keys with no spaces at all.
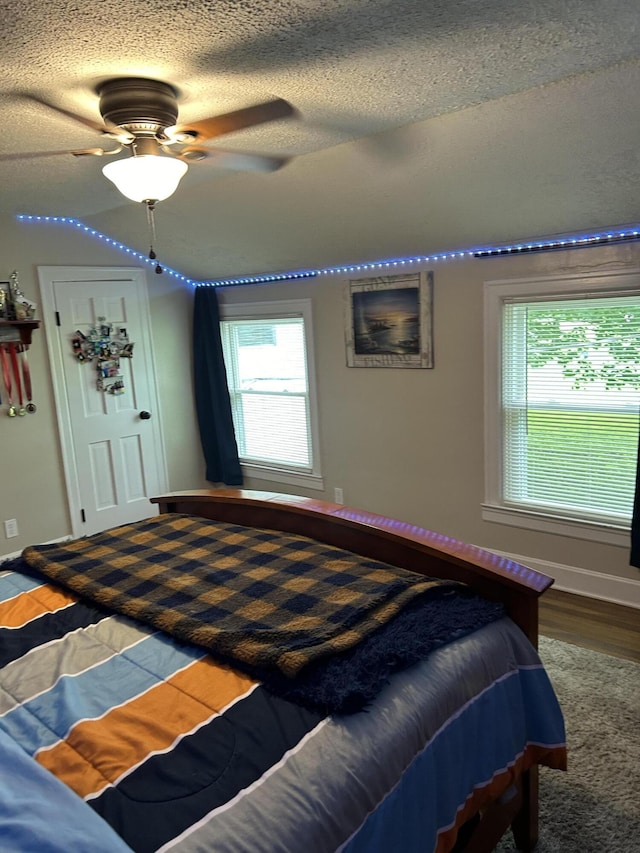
{"x":23,"y":328}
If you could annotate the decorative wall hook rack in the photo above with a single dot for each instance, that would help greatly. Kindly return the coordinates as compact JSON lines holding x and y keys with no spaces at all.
{"x":16,"y":327}
{"x":16,"y":313}
{"x":17,"y":331}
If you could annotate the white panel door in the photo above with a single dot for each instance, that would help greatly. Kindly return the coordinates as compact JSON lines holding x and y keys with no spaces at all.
{"x":112,"y":442}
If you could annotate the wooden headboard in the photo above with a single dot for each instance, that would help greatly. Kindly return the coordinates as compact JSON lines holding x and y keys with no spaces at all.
{"x":378,"y":537}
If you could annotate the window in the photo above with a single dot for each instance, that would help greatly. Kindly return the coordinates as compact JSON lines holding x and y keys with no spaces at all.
{"x":563,"y":403}
{"x":269,"y":360}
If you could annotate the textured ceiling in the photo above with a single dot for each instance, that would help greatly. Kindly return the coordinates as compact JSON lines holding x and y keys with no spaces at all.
{"x":423,"y":125}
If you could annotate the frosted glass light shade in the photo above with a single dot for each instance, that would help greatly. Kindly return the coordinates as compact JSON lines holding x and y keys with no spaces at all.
{"x":149,"y":177}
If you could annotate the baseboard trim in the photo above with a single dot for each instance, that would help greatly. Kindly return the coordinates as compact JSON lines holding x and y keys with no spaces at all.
{"x":12,"y":556}
{"x":586,"y":582}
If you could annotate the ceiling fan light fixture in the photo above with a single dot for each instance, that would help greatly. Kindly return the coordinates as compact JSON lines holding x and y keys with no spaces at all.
{"x":148,"y":177}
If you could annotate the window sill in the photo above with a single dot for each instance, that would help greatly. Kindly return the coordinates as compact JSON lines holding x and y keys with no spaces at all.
{"x":610,"y":534}
{"x":278,"y":475}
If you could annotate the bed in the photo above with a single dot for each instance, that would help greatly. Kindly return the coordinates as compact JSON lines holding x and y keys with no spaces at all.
{"x":137,"y":712}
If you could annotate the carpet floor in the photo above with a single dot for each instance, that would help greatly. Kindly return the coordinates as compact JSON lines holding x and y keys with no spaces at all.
{"x":595,"y":806}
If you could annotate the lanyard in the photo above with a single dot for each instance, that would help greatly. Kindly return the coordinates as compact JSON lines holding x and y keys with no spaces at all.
{"x":7,"y":379}
{"x":13,"y":355}
{"x":26,"y":378}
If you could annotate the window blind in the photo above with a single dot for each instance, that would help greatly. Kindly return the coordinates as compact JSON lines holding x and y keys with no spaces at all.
{"x":268,"y":386}
{"x":570,"y":405}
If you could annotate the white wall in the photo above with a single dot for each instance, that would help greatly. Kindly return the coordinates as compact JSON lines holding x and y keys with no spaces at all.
{"x":409,"y":443}
{"x":32,"y":488}
{"x":405,"y":443}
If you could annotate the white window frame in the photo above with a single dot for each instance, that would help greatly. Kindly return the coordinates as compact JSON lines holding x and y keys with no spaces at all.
{"x":276,"y":310}
{"x":494,"y":509}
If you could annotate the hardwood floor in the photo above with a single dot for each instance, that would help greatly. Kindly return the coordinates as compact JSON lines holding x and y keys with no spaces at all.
{"x":591,"y":623}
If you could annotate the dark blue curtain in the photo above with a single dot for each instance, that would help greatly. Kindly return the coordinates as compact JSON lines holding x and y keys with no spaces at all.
{"x":213,"y":406}
{"x":635,"y":521}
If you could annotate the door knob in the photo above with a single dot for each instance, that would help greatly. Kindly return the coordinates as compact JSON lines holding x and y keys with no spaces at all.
{"x":145,"y":416}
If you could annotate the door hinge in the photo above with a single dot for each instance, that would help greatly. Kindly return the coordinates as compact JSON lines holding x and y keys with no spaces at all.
{"x":83,"y":516}
{"x":58,"y":323}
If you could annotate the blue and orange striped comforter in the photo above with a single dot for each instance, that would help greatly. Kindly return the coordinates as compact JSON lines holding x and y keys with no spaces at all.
{"x":166,"y":749}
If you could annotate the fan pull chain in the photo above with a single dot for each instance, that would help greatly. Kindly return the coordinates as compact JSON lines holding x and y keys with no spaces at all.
{"x":152,"y":233}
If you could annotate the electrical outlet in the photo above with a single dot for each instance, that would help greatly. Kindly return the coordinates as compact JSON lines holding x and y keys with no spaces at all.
{"x":10,"y":528}
{"x":338,"y":495}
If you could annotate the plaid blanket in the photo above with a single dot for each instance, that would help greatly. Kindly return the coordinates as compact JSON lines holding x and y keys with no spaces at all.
{"x":253,"y":596}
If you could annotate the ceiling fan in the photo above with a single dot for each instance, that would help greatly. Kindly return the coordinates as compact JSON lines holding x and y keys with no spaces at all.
{"x":141,"y":116}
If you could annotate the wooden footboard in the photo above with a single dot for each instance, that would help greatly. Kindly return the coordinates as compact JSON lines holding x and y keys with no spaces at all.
{"x":409,"y":547}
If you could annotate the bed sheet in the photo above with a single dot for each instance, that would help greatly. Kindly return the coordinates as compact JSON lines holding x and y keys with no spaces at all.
{"x":175,"y":752}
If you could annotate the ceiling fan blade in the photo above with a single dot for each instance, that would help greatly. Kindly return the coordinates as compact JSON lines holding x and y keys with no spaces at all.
{"x":209,"y":128}
{"x":233,"y":160}
{"x":80,"y":152}
{"x":102,"y":127}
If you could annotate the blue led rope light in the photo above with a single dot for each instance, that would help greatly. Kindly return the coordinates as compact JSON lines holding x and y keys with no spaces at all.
{"x":267,"y":278}
{"x":560,"y":243}
{"x":68,"y":220}
{"x":570,"y":242}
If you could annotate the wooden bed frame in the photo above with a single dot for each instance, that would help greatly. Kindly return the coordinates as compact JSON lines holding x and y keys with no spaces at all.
{"x":409,"y":547}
